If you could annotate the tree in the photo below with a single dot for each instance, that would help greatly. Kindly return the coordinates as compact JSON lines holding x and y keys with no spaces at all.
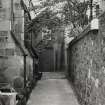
{"x":75,"y":12}
{"x":58,"y":13}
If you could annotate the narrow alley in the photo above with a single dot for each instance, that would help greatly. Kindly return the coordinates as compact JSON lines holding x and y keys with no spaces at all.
{"x":50,"y":91}
{"x":52,"y":52}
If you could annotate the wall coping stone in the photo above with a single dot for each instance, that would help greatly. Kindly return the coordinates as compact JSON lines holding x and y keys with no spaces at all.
{"x":80,"y":36}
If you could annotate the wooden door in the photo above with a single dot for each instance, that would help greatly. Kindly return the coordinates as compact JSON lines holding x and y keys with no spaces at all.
{"x":46,"y":63}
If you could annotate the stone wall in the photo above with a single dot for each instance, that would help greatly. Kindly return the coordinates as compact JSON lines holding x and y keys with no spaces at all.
{"x":12,"y":66}
{"x":86,"y":59}
{"x":11,"y":56}
{"x":18,"y":21}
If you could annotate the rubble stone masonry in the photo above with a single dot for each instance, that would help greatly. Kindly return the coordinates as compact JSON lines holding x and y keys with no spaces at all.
{"x":86,"y":60}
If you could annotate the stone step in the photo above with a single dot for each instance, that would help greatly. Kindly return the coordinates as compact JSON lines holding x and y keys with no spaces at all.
{"x":53,"y":75}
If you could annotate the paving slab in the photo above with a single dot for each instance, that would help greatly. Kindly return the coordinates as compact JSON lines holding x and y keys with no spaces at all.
{"x":53,"y":92}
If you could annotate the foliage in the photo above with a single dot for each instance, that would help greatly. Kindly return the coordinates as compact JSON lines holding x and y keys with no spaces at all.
{"x":59,"y":13}
{"x":75,"y":12}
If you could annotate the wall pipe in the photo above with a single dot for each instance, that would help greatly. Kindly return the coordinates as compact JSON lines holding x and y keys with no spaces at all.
{"x":25,"y":81}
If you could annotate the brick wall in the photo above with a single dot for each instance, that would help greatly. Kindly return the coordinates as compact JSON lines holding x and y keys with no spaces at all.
{"x":86,"y":57}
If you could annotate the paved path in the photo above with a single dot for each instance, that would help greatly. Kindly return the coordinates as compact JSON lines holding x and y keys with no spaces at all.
{"x":53,"y":92}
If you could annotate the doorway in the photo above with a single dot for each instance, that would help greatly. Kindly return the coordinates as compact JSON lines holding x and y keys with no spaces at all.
{"x":46,"y":63}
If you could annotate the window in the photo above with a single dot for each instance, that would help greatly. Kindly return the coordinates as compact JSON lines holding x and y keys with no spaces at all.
{"x":9,"y":52}
{"x":0,"y":3}
{"x":46,"y":33}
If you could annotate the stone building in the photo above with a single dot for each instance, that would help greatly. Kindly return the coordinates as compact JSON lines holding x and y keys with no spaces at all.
{"x":15,"y":60}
